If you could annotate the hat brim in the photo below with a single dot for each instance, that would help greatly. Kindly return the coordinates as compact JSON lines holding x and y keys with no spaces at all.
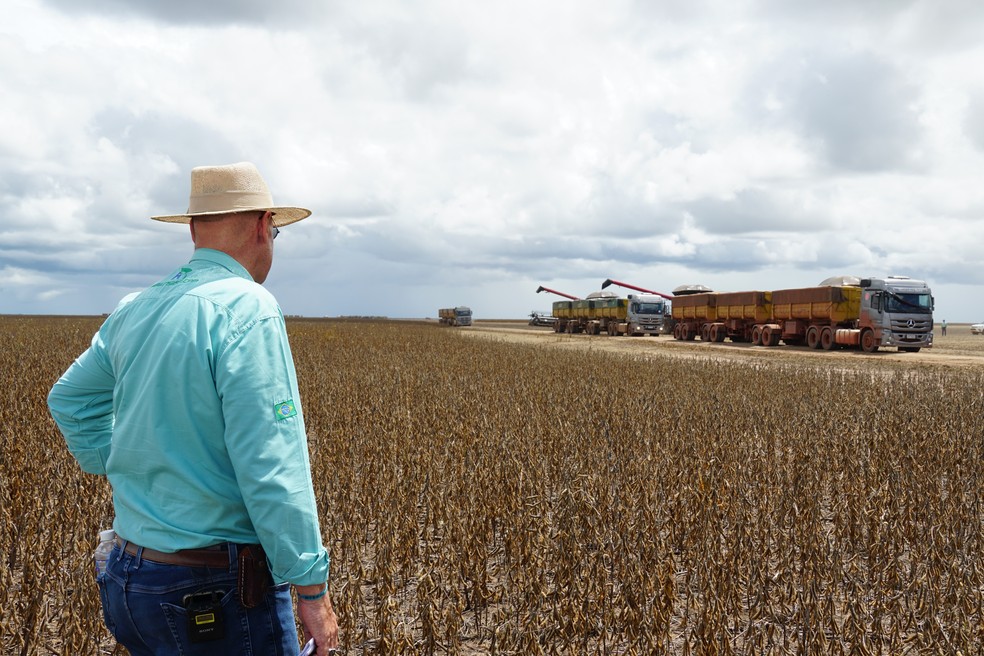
{"x":281,"y":215}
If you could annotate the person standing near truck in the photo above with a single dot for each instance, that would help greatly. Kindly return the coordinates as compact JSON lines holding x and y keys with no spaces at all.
{"x":943,"y":328}
{"x":187,"y":401}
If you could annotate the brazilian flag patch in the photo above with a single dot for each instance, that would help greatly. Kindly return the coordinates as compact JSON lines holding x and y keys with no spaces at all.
{"x":284,"y":409}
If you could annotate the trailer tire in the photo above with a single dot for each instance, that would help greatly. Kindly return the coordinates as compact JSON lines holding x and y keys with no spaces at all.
{"x":868,"y":343}
{"x":827,"y":338}
{"x":813,"y":337}
{"x":705,"y":332}
{"x":757,"y":336}
{"x":677,"y":329}
{"x":769,"y":337}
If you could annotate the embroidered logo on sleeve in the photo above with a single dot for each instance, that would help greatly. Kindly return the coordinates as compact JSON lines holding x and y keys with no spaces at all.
{"x":284,"y":409}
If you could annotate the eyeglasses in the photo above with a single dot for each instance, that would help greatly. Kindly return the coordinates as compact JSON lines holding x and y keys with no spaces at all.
{"x":274,"y":230}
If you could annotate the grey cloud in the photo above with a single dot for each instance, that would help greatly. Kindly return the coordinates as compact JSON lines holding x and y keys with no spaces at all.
{"x":856,"y":109}
{"x":416,"y":55}
{"x":932,"y":25}
{"x":195,"y":12}
{"x":974,"y":121}
{"x":146,"y":136}
{"x":613,"y":210}
{"x":749,"y":210}
{"x":837,"y":12}
{"x":354,"y":207}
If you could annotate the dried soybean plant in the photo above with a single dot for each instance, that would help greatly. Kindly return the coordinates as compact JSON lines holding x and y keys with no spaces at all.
{"x":483,"y":497}
{"x":50,"y":511}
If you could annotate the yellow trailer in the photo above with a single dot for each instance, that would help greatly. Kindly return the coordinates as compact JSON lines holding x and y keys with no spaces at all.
{"x":593,"y":315}
{"x":813,"y":315}
{"x":718,"y":315}
{"x":692,"y":312}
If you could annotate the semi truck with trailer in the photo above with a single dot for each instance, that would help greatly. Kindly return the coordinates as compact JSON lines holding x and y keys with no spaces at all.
{"x":867,"y":314}
{"x":605,"y":313}
{"x":455,"y":316}
{"x":649,"y":313}
{"x":594,"y":315}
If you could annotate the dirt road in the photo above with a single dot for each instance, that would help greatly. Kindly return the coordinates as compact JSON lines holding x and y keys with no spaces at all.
{"x":958,"y":349}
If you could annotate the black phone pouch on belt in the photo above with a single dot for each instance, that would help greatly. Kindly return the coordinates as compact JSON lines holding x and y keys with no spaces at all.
{"x":254,"y":575}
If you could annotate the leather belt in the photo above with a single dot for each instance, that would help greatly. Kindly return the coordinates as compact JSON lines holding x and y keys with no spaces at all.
{"x":214,"y":558}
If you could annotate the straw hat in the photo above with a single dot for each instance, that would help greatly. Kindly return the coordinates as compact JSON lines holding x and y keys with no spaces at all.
{"x":232,"y":188}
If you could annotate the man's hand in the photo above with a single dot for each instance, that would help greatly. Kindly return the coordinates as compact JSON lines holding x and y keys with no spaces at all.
{"x":318,"y":618}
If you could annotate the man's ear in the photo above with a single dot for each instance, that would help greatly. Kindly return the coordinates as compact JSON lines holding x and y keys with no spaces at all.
{"x":262,"y":232}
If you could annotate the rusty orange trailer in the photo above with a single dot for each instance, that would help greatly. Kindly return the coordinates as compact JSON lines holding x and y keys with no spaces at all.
{"x":871,"y":313}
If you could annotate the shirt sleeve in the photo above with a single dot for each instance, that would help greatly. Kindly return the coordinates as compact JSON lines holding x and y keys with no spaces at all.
{"x":267,"y":444}
{"x":81,"y":403}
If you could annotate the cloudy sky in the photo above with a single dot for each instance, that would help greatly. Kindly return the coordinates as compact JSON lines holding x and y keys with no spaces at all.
{"x":469,"y":152}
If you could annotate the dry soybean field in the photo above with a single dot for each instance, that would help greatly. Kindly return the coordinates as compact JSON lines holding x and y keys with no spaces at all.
{"x":489,"y":495}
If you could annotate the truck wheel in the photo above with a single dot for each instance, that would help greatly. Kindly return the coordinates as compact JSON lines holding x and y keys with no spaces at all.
{"x":868,"y":343}
{"x":813,"y":337}
{"x":827,"y":338}
{"x":769,"y":337}
{"x":677,"y":330}
{"x":757,"y":336}
{"x":705,"y":332}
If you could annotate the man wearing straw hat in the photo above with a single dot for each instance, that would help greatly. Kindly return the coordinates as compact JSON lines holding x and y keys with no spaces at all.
{"x":187,"y":401}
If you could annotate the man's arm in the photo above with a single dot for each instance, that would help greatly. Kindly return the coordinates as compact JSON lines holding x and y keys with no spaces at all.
{"x":317,"y":616}
{"x":81,"y":403}
{"x":267,"y":445}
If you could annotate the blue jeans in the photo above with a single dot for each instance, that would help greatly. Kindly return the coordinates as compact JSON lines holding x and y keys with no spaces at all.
{"x":143,"y":608}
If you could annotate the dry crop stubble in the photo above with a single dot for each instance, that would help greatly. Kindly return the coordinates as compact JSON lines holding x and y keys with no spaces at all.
{"x":480,"y":496}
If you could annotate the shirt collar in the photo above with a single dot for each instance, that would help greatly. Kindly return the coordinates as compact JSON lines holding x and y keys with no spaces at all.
{"x":223,"y":260}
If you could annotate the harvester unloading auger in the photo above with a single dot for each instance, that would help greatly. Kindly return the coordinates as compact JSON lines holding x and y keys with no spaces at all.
{"x":638,"y":289}
{"x":541,"y":288}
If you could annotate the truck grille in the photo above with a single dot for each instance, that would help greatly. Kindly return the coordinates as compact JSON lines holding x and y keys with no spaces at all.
{"x":912,"y":325}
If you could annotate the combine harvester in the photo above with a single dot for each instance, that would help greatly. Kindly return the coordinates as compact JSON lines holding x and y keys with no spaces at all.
{"x":858,"y":313}
{"x":542,"y":319}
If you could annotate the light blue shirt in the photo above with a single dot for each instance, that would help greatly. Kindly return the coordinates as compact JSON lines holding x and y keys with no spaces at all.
{"x":187,"y":401}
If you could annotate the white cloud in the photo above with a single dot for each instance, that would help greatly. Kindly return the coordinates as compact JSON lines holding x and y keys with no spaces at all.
{"x":481,"y":150}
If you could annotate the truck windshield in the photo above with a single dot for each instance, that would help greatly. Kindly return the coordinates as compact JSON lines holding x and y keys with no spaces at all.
{"x":649,"y":308}
{"x":463,"y":313}
{"x":909,"y":303}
